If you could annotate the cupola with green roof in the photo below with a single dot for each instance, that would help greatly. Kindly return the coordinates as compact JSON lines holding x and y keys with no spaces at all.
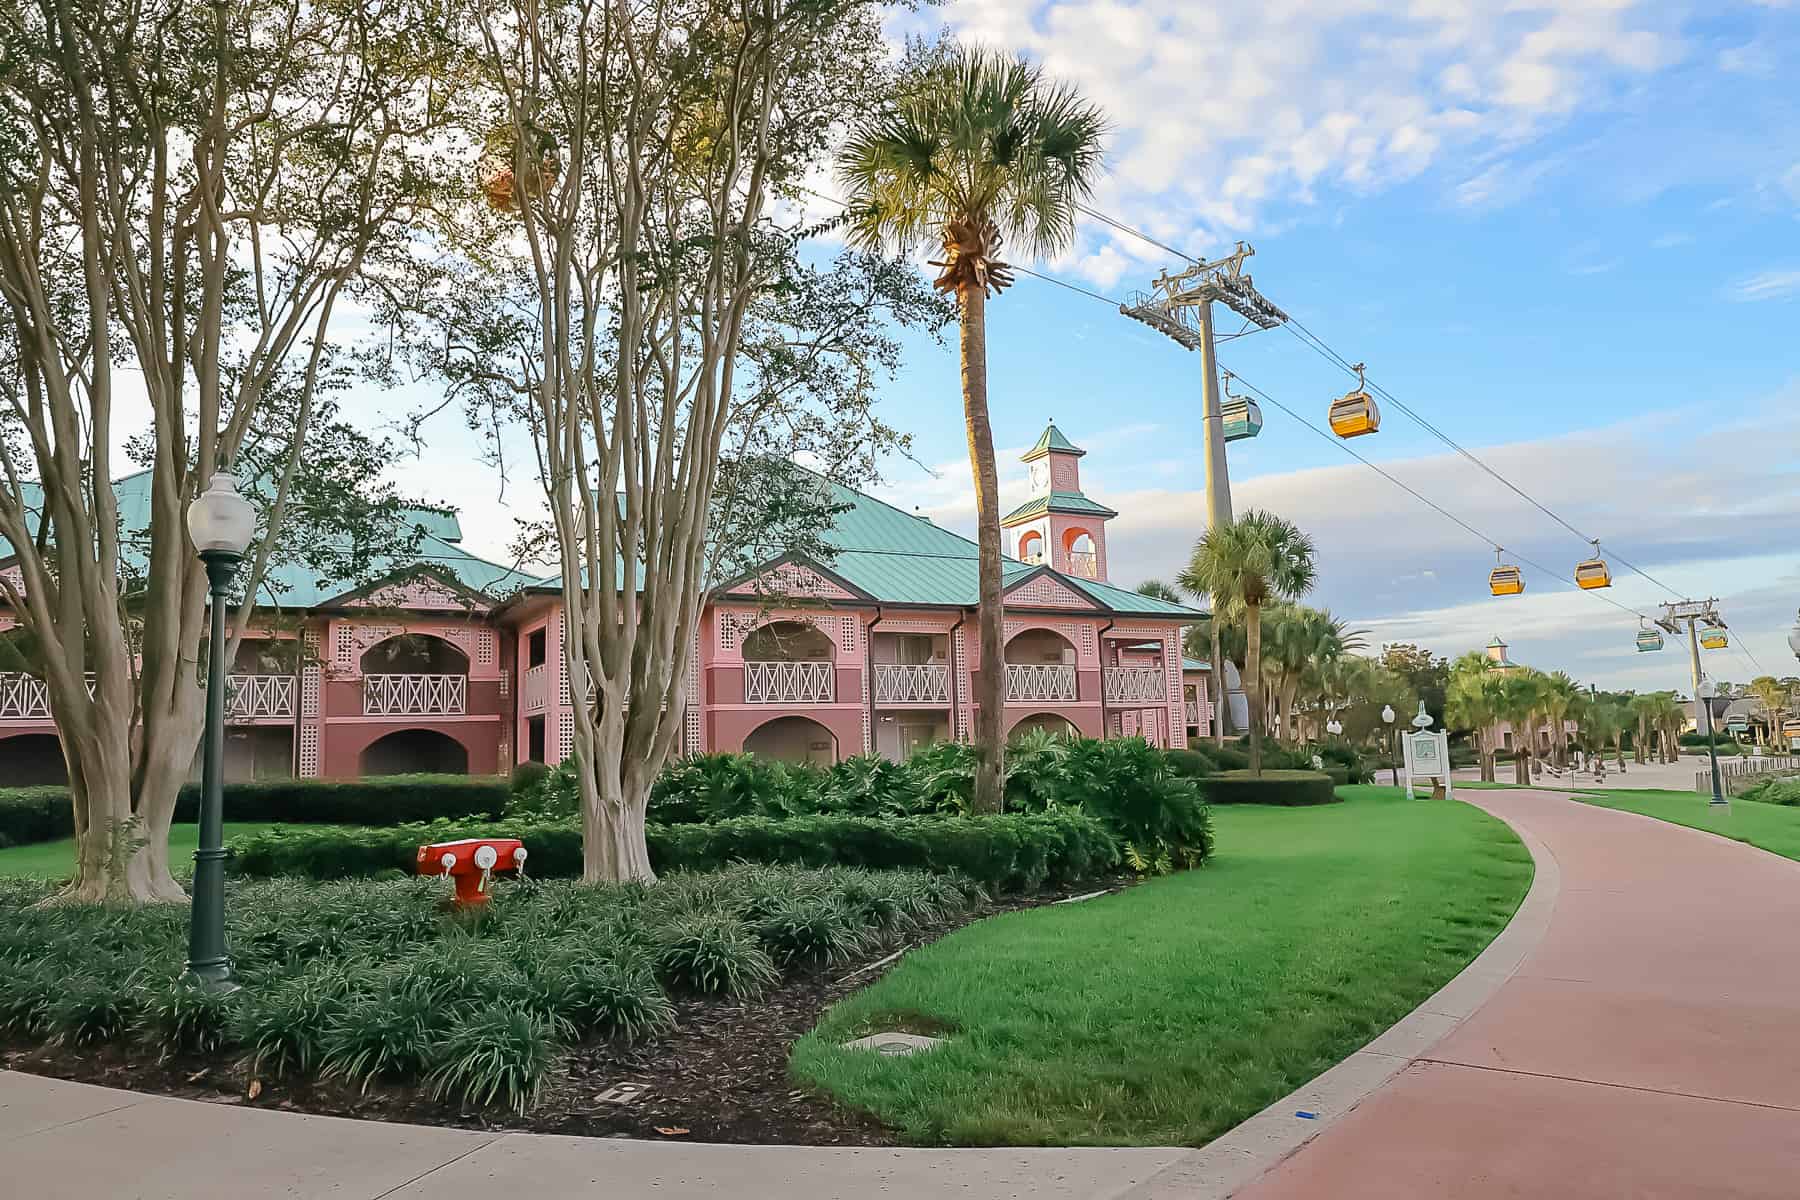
{"x":1059,"y":526}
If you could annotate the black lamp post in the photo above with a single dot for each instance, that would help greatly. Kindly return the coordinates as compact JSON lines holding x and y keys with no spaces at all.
{"x":221,"y":523}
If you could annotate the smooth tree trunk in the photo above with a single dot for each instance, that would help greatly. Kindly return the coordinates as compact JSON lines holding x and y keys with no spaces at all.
{"x":990,"y":686}
{"x":1253,"y":682}
{"x":1637,"y":746}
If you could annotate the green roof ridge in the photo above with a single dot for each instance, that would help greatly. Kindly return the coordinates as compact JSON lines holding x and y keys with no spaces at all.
{"x":1051,"y":439}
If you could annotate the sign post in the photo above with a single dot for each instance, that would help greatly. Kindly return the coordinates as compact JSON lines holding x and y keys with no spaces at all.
{"x":1428,"y":755}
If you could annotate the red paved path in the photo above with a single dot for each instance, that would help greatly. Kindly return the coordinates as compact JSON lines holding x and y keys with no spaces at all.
{"x":1648,"y":1048}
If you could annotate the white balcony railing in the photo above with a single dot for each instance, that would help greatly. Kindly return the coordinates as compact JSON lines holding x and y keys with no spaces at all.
{"x":789,"y":683}
{"x":23,"y":697}
{"x":1135,"y":685}
{"x":1084,"y":563}
{"x":912,"y":683}
{"x":258,"y":697}
{"x":1039,"y":681}
{"x":415,"y":695}
{"x":534,"y":693}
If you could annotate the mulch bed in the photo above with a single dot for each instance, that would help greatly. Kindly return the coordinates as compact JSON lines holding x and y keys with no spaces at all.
{"x":721,"y":1076}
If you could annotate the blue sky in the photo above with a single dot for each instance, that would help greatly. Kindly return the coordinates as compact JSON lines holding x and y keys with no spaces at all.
{"x":1566,"y":231}
{"x":1592,"y":279}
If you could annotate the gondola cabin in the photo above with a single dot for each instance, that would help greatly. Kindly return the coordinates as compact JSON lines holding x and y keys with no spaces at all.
{"x":1505,"y":580}
{"x":1243,"y":419}
{"x":1592,"y":573}
{"x":1354,"y":415}
{"x":1714,"y":639}
{"x":1648,"y":640}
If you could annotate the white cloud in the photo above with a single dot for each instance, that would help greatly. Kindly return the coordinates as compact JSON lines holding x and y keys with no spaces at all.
{"x":1765,"y":285}
{"x":1227,"y":116}
{"x":1669,"y":241}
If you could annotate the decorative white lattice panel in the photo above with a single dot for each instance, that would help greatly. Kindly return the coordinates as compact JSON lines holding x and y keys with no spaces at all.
{"x":565,"y":736}
{"x":1087,"y":643}
{"x":1046,"y":591}
{"x":868,"y":732}
{"x":486,"y":648}
{"x":690,"y":717}
{"x":1176,"y":719}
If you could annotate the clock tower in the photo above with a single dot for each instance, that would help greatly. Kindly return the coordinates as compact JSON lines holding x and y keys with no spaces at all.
{"x":1059,"y":525}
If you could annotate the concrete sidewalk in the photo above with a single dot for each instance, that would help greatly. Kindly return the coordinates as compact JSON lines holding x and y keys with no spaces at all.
{"x":1648,"y":1047}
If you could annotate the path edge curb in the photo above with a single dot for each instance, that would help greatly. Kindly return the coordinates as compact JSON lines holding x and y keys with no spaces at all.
{"x":1249,"y":1150}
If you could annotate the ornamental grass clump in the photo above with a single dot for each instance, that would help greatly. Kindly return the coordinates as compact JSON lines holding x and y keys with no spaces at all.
{"x":386,"y":1036}
{"x":809,"y":930}
{"x":285,"y":1026}
{"x":180,"y":1016}
{"x":715,"y":955}
{"x":611,"y":999}
{"x":27,"y":990}
{"x":91,"y":1009}
{"x":492,"y":1053}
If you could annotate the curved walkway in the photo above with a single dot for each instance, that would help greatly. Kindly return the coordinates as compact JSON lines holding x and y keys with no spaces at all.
{"x":1648,"y":1047}
{"x":1642,"y":1040}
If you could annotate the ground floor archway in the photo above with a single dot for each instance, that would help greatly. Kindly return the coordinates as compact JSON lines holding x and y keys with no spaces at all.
{"x":33,"y":760}
{"x":793,"y":739}
{"x":1048,"y":722}
{"x":415,"y":752}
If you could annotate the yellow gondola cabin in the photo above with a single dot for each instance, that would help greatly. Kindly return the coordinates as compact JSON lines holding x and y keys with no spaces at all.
{"x":1355,"y":414}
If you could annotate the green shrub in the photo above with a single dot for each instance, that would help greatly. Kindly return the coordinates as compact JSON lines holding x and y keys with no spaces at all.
{"x":714,"y":954}
{"x":1129,"y":785}
{"x":1191,"y":763}
{"x":717,"y":787}
{"x":1289,"y":788}
{"x":494,"y":1052}
{"x":1774,"y":791}
{"x":92,"y":1009}
{"x":27,"y":990}
{"x":1229,"y":758}
{"x":528,"y":775}
{"x":1010,"y":852}
{"x":871,"y":785}
{"x":35,"y":814}
{"x":944,"y":774}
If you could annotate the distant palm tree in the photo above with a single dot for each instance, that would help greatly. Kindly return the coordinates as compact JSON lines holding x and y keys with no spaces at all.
{"x":1522,"y":700}
{"x":1156,"y":589}
{"x":981,"y":149}
{"x":1768,"y":689}
{"x":1561,"y":694}
{"x":1245,"y":564}
{"x":1474,"y":699}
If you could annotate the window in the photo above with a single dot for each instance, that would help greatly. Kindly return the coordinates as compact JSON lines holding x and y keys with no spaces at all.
{"x":535,"y":648}
{"x":534,"y":738}
{"x":915,"y":648}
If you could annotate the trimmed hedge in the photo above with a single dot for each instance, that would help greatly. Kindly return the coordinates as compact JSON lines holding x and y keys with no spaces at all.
{"x":1288,"y":788}
{"x":35,"y":814}
{"x":1010,"y":852}
{"x":43,"y":814}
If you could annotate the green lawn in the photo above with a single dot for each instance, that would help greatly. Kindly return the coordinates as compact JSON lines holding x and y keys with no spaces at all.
{"x":1165,"y":1015}
{"x":56,"y":860}
{"x":1771,"y":827}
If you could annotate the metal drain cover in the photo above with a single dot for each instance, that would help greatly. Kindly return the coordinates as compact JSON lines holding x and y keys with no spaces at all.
{"x":895,"y":1045}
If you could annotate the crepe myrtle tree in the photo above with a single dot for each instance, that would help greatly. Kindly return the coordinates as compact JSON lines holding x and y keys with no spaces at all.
{"x":623,"y":278}
{"x":190,"y":196}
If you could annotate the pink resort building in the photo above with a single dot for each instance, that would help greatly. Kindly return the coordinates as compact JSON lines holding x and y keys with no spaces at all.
{"x":451,"y":663}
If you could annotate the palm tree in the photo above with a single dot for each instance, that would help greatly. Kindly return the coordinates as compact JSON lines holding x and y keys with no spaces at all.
{"x":1768,"y":689}
{"x":1474,"y":699}
{"x":1245,"y":564}
{"x":1561,"y":695}
{"x":1156,"y":589}
{"x":982,"y":149}
{"x":1214,"y":643}
{"x":1522,"y":698}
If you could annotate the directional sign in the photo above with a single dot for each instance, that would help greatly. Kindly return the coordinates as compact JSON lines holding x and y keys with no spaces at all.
{"x":1690,"y":608}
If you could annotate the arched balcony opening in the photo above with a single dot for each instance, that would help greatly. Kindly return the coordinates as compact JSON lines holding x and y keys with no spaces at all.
{"x":415,"y":752}
{"x":1081,"y":554}
{"x":794,"y":740}
{"x":415,"y":674}
{"x":1040,"y":665}
{"x":789,"y":662}
{"x":1031,"y":547}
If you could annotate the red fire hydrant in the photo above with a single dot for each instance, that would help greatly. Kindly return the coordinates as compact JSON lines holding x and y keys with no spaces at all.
{"x":471,"y":864}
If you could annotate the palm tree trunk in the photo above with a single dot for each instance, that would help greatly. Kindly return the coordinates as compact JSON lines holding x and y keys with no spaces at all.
{"x":990,"y":690}
{"x":1215,"y":689}
{"x":1253,"y":682}
{"x":1637,"y":747}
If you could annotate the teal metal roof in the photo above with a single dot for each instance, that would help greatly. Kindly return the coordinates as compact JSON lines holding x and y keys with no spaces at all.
{"x":1062,"y":502}
{"x":291,"y":585}
{"x":1051,"y":439}
{"x":1195,"y":664}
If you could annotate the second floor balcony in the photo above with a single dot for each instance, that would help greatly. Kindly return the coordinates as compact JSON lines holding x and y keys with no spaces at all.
{"x":415,"y":695}
{"x":790,"y":683}
{"x":23,"y":697}
{"x":912,"y":683}
{"x":1135,"y":685}
{"x":259,"y":697}
{"x":1038,"y":682}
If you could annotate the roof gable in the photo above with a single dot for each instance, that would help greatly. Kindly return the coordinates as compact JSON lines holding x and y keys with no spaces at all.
{"x":1043,"y":588}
